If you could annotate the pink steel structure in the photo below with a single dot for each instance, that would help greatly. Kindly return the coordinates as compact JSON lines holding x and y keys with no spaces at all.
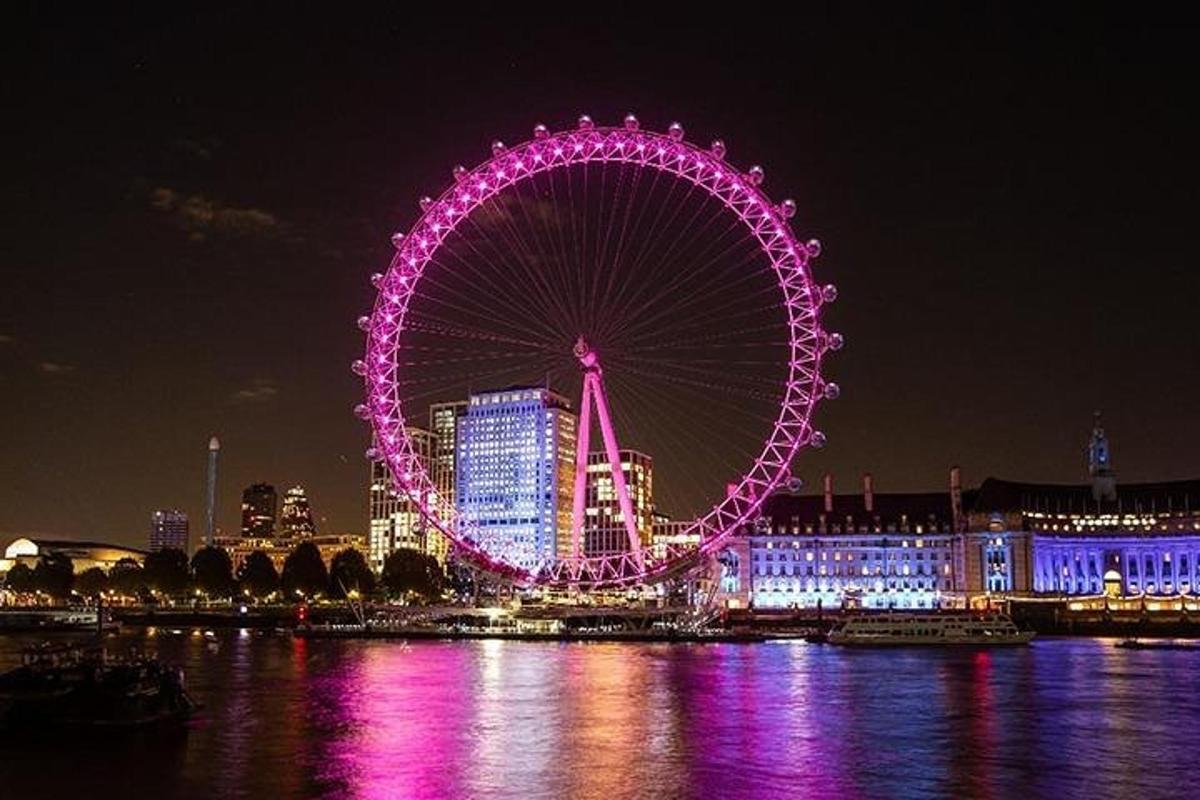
{"x":593,"y":391}
{"x":669,"y":154}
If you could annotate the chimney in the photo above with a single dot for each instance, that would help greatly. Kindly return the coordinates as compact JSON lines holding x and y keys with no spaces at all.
{"x":869,"y":493}
{"x":828,"y":480}
{"x":956,"y":507}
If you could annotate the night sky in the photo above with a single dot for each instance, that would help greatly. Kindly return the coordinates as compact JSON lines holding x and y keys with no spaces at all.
{"x":193,"y":201}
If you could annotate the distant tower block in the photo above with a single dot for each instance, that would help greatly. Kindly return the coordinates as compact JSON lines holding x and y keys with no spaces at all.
{"x":210,"y":507}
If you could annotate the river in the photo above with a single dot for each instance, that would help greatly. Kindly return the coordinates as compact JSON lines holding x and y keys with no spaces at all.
{"x":287,"y":718}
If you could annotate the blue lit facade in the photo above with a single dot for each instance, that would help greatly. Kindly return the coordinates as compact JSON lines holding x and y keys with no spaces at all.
{"x":514,"y":473}
{"x":1096,"y":538}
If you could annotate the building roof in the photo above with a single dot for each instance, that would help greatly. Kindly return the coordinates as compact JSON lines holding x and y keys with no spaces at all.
{"x":104,"y":551}
{"x":781,"y":507}
{"x":72,"y":544}
{"x":996,"y":494}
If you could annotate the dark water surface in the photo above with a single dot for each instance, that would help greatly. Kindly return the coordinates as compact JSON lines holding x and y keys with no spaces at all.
{"x":295,"y":719}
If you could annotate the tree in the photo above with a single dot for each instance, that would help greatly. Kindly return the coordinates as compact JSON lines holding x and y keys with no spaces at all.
{"x":127,"y":578}
{"x":213,"y":572}
{"x":54,"y":574}
{"x":460,"y":578}
{"x":167,"y":571}
{"x":411,"y":572}
{"x":20,"y":579}
{"x":91,"y":582}
{"x":257,"y":574}
{"x":304,"y":571}
{"x":349,"y":573}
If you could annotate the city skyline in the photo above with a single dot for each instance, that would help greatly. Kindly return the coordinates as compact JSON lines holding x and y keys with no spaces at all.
{"x":1023,"y":290}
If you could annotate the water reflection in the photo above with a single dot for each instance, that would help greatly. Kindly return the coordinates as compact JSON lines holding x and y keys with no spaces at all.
{"x":295,"y":719}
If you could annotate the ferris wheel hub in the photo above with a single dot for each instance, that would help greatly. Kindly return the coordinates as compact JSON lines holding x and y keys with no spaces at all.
{"x":586,"y":355}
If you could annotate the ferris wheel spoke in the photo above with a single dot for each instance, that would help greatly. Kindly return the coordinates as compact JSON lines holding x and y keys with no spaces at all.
{"x":667,"y":302}
{"x":699,"y":384}
{"x":607,"y":263}
{"x":644,"y":253}
{"x":527,"y":306}
{"x":529,"y":262}
{"x":547,"y":259}
{"x":652,"y":273}
{"x":754,"y":408}
{"x":562,"y":257}
{"x":665,"y":274}
{"x":533,"y":288}
{"x":426,"y":323}
{"x":675,"y":465}
{"x":614,"y":268}
{"x":702,"y":341}
{"x":692,"y":312}
{"x":668,"y":261}
{"x":442,"y":360}
{"x":499,"y":292}
{"x":480,"y":313}
{"x":726,"y":280}
{"x":474,"y":379}
{"x":683,"y":440}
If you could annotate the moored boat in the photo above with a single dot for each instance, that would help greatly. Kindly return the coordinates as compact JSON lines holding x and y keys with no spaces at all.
{"x":939,"y":629}
{"x":59,"y":688}
{"x":1169,"y":644}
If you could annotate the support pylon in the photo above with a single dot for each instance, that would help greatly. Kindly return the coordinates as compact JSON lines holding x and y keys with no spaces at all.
{"x":593,"y":392}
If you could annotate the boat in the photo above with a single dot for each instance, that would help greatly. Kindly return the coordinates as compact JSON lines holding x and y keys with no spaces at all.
{"x":48,"y":620}
{"x":76,"y":688}
{"x":1135,"y":644}
{"x":939,"y":629}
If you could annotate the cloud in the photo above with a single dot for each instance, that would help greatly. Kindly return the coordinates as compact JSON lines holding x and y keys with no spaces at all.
{"x":200,"y":216}
{"x":197,"y":148}
{"x":54,"y":368}
{"x":259,"y":391}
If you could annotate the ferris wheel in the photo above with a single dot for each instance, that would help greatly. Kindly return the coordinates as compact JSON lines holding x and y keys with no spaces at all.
{"x":640,"y":271}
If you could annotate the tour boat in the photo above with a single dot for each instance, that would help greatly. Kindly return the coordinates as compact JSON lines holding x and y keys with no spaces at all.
{"x":890,"y":630}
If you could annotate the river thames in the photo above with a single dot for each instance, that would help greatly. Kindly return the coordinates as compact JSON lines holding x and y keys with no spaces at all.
{"x":286,"y":718}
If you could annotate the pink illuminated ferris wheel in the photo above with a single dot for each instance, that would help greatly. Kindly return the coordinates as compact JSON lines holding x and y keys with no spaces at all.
{"x":596,"y":275}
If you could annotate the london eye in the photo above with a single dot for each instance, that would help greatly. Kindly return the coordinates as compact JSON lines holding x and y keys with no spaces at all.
{"x":644,"y":285}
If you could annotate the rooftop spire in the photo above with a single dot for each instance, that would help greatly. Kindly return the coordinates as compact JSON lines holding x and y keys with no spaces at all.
{"x":1104,"y":480}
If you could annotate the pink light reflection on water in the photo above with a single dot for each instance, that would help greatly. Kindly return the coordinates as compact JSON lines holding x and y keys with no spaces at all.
{"x":400,"y":716}
{"x":502,"y":719}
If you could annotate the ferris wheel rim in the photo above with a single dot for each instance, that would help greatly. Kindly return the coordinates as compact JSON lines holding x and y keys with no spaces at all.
{"x":669,"y":154}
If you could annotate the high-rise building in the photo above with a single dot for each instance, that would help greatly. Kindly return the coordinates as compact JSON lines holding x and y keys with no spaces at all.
{"x":604,"y":531}
{"x":514,"y":473}
{"x":296,"y":519}
{"x":259,"y":505}
{"x":443,"y":423}
{"x":395,"y":520}
{"x":169,"y":529}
